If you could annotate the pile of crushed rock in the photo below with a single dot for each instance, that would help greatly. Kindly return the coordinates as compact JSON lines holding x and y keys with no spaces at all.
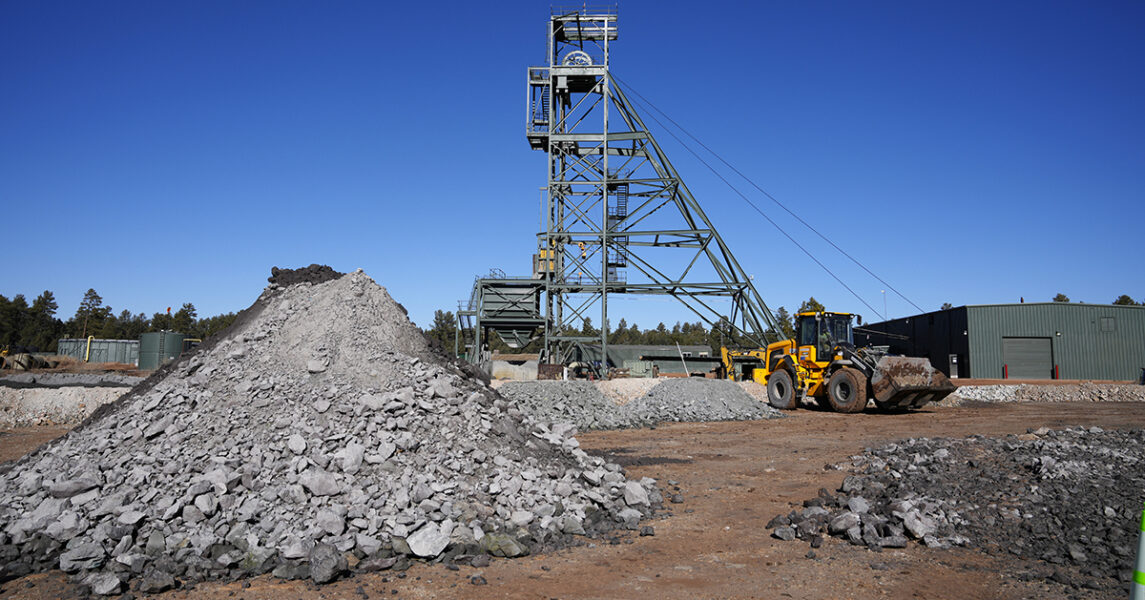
{"x":320,"y":431}
{"x":1068,"y":502}
{"x":584,"y":405}
{"x":1080,"y":392}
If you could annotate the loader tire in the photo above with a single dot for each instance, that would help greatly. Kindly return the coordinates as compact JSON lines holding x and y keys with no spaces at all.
{"x":847,"y":391}
{"x":781,"y":390}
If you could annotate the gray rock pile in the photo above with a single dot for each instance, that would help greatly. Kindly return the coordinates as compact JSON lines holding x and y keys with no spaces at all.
{"x":1067,"y":502}
{"x":577,"y":402}
{"x":1081,"y":392}
{"x":319,"y":432}
{"x":699,"y":400}
{"x":584,"y":405}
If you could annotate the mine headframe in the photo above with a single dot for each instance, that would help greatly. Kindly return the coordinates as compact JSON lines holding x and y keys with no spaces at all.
{"x":617,"y":217}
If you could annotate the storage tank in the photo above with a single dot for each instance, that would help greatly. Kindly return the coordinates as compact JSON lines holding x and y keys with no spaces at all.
{"x":158,"y":348}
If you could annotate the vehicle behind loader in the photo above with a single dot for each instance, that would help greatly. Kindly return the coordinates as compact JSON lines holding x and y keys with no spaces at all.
{"x":823,"y":363}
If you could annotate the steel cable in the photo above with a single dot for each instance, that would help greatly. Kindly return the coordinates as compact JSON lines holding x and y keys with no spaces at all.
{"x":769,"y":196}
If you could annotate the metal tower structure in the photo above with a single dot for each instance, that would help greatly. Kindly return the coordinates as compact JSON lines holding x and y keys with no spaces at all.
{"x":617,"y":217}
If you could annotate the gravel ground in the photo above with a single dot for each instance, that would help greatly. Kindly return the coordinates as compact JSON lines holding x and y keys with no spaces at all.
{"x":757,"y":391}
{"x":627,"y":389}
{"x":20,"y":406}
{"x":1081,"y":392}
{"x":1067,"y":501}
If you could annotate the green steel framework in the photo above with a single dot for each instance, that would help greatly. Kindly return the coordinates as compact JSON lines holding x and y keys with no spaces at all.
{"x":613,"y":203}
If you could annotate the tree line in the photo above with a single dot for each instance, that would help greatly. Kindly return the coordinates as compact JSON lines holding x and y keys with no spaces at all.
{"x":444,"y":329}
{"x":34,"y":327}
{"x":1122,"y":300}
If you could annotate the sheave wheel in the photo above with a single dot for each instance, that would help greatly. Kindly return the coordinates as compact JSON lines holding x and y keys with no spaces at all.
{"x":780,"y":390}
{"x":847,"y":391}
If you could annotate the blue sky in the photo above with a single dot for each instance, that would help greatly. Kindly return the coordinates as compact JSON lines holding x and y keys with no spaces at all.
{"x":970,"y":152}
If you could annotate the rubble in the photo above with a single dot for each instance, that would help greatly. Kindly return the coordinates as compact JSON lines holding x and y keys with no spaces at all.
{"x":1069,"y":498}
{"x":587,"y":407}
{"x":58,"y":380}
{"x":699,"y":400}
{"x":243,"y":458}
{"x":1085,"y":391}
{"x":578,"y":402}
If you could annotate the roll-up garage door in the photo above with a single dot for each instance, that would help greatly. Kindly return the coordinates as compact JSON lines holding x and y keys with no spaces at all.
{"x":1028,"y":358}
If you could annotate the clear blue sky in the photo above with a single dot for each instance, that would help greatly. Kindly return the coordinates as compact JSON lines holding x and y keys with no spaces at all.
{"x":170,"y":152}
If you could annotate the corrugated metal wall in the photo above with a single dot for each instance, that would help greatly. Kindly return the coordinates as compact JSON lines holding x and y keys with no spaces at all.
{"x":935,"y":335}
{"x":1089,"y":341}
{"x":665,"y":357}
{"x":119,"y":351}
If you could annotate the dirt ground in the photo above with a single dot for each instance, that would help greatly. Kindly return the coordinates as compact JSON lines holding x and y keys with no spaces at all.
{"x":734,"y":477}
{"x":17,"y":442}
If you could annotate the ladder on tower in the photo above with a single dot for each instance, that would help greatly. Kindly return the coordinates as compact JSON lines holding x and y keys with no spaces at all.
{"x":617,"y":213}
{"x":537,"y":128}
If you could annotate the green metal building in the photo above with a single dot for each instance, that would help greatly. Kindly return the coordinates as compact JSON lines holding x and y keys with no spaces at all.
{"x":667,"y":359}
{"x":99,"y":351}
{"x":1046,"y":340}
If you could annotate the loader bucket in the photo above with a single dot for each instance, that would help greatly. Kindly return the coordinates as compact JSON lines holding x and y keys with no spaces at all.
{"x":900,"y":382}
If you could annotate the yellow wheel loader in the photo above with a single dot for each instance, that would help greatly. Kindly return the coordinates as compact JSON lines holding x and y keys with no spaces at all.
{"x":823,"y":363}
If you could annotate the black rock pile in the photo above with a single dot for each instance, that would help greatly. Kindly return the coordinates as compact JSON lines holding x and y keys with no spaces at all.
{"x":318,"y":433}
{"x":1067,"y":501}
{"x":314,"y":274}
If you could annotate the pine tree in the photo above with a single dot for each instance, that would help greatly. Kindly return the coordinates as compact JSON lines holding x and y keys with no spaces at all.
{"x":45,"y":304}
{"x":91,"y":313}
{"x":183,"y":321}
{"x":444,"y":328}
{"x":786,"y":324}
{"x":811,"y":305}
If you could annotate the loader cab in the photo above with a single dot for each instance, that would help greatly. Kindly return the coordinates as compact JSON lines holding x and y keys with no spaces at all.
{"x":822,"y":332}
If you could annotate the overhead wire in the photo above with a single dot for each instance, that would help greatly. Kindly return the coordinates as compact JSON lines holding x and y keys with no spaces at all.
{"x":757,"y":209}
{"x":769,"y":196}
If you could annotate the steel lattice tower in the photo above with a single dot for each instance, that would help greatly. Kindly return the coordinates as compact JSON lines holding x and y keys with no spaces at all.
{"x":618,"y":218}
